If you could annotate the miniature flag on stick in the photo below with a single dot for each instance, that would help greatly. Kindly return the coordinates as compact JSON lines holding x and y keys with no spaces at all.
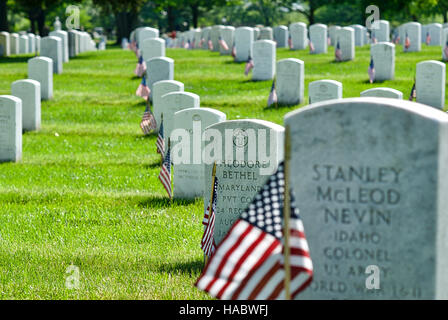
{"x":428,"y":39}
{"x":143,"y":90}
{"x":187,"y":45}
{"x":223,"y":44}
{"x":140,"y":69}
{"x":249,"y":263}
{"x":148,"y":122}
{"x":165,"y":172}
{"x":371,"y":71}
{"x":210,"y":44}
{"x":328,"y":41}
{"x":396,"y":38}
{"x":234,"y":52}
{"x":160,"y":143}
{"x":311,"y":46}
{"x":208,"y":244}
{"x":407,"y":42}
{"x":445,"y":51}
{"x":374,"y":40}
{"x":338,"y":52}
{"x":413,"y":94}
{"x":272,"y":95}
{"x":290,"y":42}
{"x":249,"y":66}
{"x":201,"y":43}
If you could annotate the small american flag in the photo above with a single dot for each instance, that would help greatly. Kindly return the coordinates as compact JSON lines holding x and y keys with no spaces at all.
{"x":160,"y":143}
{"x":208,"y":244}
{"x":371,"y":71}
{"x":201,"y":43}
{"x":143,"y":90}
{"x":328,"y":41}
{"x":445,"y":50}
{"x":148,"y":122}
{"x":289,"y":42}
{"x":413,"y":94}
{"x":272,"y":95}
{"x":311,"y":46}
{"x":428,"y":39}
{"x":234,"y":52}
{"x":187,"y":45}
{"x":249,"y":264}
{"x":407,"y":42}
{"x":249,"y":66}
{"x":397,"y":38}
{"x":338,"y":52}
{"x":374,"y":40}
{"x":140,"y":69}
{"x":165,"y":173}
{"x":210,"y":44}
{"x":223,"y":44}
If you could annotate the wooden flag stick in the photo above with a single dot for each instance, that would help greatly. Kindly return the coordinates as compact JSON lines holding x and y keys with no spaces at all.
{"x":286,"y":216}
{"x":171,"y":169}
{"x":211,"y":201}
{"x":161,"y":153}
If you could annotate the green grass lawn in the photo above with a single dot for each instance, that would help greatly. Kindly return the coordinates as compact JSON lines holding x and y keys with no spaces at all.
{"x":87,"y":193}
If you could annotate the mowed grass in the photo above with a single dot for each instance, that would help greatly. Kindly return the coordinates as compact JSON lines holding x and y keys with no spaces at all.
{"x":87,"y":193}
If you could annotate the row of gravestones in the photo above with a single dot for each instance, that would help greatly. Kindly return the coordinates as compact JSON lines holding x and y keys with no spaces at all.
{"x":319,"y":35}
{"x":361,"y":184}
{"x":21,"y":111}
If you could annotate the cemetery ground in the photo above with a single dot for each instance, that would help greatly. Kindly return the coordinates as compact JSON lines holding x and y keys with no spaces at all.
{"x":86,"y":192}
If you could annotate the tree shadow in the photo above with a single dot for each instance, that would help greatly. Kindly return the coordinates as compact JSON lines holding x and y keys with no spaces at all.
{"x":163,"y":202}
{"x":279,"y":106}
{"x":187,"y":267}
{"x":16,"y":59}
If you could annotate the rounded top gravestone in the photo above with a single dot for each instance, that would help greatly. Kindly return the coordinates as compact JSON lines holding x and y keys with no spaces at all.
{"x":10,"y":129}
{"x":246,"y":152}
{"x":382,"y":93}
{"x":372,"y":196}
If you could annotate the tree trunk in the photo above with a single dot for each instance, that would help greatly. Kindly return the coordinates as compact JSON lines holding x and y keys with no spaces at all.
{"x":43,"y":32}
{"x":195,"y":11}
{"x":171,"y":18}
{"x":32,"y":19}
{"x":124,"y":22}
{"x":3,"y":16}
{"x":311,"y":15}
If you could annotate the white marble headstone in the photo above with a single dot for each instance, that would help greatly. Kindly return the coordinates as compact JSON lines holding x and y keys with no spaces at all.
{"x":159,"y":89}
{"x":346,"y":38}
{"x":161,"y":68}
{"x":152,"y":48}
{"x":63,"y":35}
{"x":382,"y":93}
{"x":14,"y":43}
{"x":290,"y":81}
{"x":5,"y":50}
{"x":299,"y":35}
{"x":318,"y":36}
{"x":239,"y":148}
{"x":430,"y":83}
{"x":51,"y":47}
{"x":264,"y":58}
{"x":41,"y":70}
{"x":10,"y":129}
{"x":413,"y":30}
{"x":172,"y":103}
{"x":281,"y":35}
{"x":368,"y":176}
{"x":29,"y":92}
{"x":186,"y":152}
{"x":228,"y":35}
{"x":244,"y":39}
{"x":383,"y":54}
{"x":322,"y":90}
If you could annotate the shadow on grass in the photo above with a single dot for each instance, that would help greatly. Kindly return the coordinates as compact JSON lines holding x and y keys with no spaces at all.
{"x":187,"y":267}
{"x":280,"y":106}
{"x":163,"y":202}
{"x":17,"y":59}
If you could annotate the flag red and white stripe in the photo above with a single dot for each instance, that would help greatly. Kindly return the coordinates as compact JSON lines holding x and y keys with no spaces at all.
{"x":208,"y":244}
{"x":165,"y":173}
{"x":143,"y":90}
{"x":249,"y":66}
{"x":248,"y":264}
{"x":160,"y":143}
{"x":223,"y":44}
